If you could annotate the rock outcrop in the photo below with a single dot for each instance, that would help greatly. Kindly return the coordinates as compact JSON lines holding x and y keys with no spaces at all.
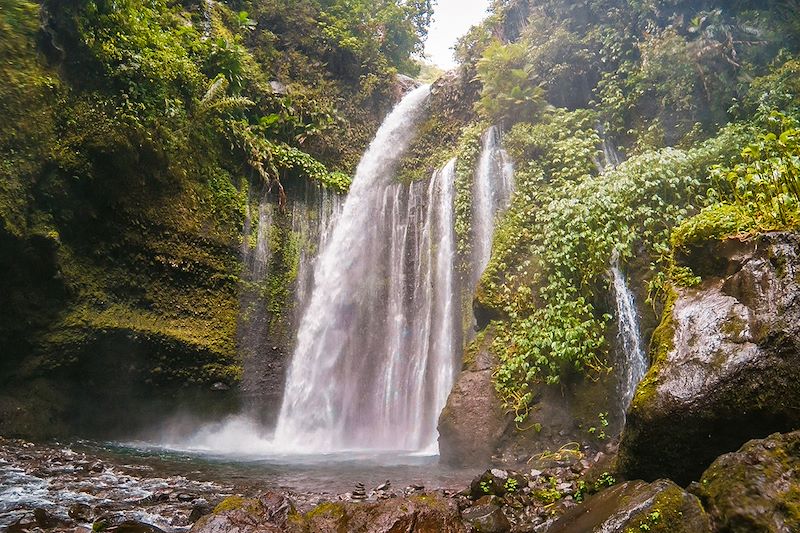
{"x":756,"y":488}
{"x":725,"y":361}
{"x":474,"y":427}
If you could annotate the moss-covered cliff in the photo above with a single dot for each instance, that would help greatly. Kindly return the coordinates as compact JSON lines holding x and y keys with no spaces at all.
{"x":137,"y":136}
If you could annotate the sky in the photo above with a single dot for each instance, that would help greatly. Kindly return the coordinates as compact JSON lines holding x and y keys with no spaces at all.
{"x":451,"y":20}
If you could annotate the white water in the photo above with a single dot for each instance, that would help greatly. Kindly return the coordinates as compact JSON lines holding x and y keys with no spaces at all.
{"x":492,"y":189}
{"x":611,"y":157}
{"x":633,"y":365}
{"x":375,"y":356}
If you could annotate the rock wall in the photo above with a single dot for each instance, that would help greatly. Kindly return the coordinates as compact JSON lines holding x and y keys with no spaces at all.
{"x":725,"y":360}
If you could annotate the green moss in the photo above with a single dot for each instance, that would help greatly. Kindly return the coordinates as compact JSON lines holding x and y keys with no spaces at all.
{"x":331,"y":509}
{"x":790,"y":504}
{"x":662,"y":343}
{"x":473,"y":348}
{"x":467,"y":154}
{"x":238,"y":503}
{"x":429,"y":150}
{"x":712,"y":223}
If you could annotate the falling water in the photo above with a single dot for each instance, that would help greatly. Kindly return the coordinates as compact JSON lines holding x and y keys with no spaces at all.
{"x":494,"y":183}
{"x":633,"y":365}
{"x":312,"y":222}
{"x":375,"y":348}
{"x":611,"y":157}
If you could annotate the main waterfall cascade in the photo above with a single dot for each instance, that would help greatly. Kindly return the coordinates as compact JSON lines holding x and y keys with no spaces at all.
{"x":633,"y":366}
{"x":375,"y":355}
{"x":492,"y":189}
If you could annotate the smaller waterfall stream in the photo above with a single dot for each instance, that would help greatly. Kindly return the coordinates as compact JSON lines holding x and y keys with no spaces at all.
{"x":493,"y":186}
{"x":633,"y":365}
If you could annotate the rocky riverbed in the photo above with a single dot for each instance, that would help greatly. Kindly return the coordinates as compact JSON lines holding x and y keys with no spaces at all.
{"x":58,"y":487}
{"x":84,"y":487}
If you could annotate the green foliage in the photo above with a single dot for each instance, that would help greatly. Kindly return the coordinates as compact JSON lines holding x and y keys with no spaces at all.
{"x":510,"y":91}
{"x":376,"y":32}
{"x":467,"y":154}
{"x":548,"y":495}
{"x":600,"y":431}
{"x":780,"y":89}
{"x":511,"y":485}
{"x":605,"y":480}
{"x":564,"y":222}
{"x":761,"y":192}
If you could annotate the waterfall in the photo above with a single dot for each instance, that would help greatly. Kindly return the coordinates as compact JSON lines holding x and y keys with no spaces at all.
{"x":492,"y":189}
{"x":375,"y":355}
{"x":633,"y":363}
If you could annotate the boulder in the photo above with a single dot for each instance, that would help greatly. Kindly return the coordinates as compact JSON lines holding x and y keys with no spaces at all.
{"x":756,"y":488}
{"x":134,"y":526}
{"x":659,"y":507}
{"x":473,"y":420}
{"x":725,"y":361}
{"x":247,"y":515}
{"x":273,"y":513}
{"x":426,"y":513}
{"x":235,"y":521}
{"x":486,"y":518}
{"x":80,"y":512}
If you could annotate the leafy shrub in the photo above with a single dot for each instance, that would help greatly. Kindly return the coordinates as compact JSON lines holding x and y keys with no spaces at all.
{"x":510,"y":91}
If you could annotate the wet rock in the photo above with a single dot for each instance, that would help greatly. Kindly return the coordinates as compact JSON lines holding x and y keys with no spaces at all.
{"x":725,"y":361}
{"x":219,"y":386}
{"x":756,"y":488}
{"x":424,"y":513}
{"x":486,"y":518}
{"x":278,"y":87}
{"x":659,"y":507}
{"x":155,"y":498}
{"x":46,"y":520}
{"x":473,"y":419}
{"x":404,"y":84}
{"x":23,"y":524}
{"x":80,"y":512}
{"x":199,"y":509}
{"x":277,"y":508}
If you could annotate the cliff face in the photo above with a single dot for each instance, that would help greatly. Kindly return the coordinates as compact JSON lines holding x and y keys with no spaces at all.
{"x":140,"y":140}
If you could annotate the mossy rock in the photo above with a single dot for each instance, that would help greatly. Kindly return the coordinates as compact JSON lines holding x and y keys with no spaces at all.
{"x":659,"y":507}
{"x":725,"y":362}
{"x":756,"y":488}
